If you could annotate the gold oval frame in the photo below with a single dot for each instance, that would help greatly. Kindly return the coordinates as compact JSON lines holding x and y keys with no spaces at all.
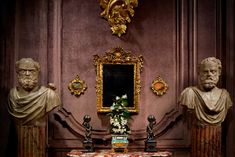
{"x":117,"y":56}
{"x":77,"y":86}
{"x":159,"y":86}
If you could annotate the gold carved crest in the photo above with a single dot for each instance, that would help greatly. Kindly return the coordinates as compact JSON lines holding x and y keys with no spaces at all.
{"x":118,"y":13}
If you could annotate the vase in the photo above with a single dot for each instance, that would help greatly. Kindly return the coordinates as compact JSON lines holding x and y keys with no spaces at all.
{"x":119,"y":143}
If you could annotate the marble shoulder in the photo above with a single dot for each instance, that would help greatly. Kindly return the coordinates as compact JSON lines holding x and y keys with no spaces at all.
{"x":53,"y":99}
{"x":187,"y":92}
{"x":12,"y":92}
{"x":226,"y":95}
{"x":187,"y":97}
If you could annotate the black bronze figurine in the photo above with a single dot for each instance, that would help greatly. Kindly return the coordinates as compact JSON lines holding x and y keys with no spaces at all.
{"x":150,"y":143}
{"x":87,"y":143}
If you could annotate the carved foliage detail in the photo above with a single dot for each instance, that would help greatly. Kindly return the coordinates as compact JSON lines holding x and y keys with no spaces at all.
{"x":118,"y":13}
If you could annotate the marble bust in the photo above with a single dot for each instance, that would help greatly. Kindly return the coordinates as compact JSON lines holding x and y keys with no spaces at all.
{"x":209,"y":102}
{"x":209,"y":106}
{"x":29,"y":104}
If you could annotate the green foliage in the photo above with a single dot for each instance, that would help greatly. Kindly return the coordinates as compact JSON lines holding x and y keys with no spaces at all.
{"x":119,"y":116}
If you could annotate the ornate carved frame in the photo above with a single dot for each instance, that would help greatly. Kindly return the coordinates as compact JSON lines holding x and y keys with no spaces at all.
{"x":117,"y":56}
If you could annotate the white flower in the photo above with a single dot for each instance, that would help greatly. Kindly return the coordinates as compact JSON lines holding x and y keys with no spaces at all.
{"x":115,"y":119}
{"x":124,"y":96}
{"x":117,"y":97}
{"x":111,"y":120}
{"x":124,"y":122}
{"x":112,"y":108}
{"x":119,"y":120}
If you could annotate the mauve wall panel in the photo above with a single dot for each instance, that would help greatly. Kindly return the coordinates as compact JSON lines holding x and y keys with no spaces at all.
{"x":152,"y":33}
{"x":207,"y":34}
{"x":31,"y":32}
{"x":63,"y":35}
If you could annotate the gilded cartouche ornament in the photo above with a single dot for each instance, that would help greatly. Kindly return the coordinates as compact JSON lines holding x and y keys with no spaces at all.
{"x":159,"y":86}
{"x":77,"y":86}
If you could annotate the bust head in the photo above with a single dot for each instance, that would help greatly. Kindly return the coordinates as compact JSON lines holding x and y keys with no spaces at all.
{"x":209,"y":71}
{"x":27,"y":73}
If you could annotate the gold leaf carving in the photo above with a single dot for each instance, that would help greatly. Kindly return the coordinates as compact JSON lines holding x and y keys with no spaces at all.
{"x":118,"y":13}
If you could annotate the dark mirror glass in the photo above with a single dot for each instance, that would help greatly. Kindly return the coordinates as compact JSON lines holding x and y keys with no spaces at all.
{"x":118,"y":80}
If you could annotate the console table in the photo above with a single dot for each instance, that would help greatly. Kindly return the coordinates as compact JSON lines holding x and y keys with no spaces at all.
{"x":109,"y":153}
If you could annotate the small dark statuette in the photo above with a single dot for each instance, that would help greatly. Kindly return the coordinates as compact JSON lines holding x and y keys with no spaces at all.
{"x":150,"y":143}
{"x":87,"y":143}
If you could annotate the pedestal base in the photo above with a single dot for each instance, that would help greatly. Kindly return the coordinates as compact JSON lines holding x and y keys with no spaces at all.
{"x":119,"y":147}
{"x":88,"y":146}
{"x":150,"y":146}
{"x":119,"y":143}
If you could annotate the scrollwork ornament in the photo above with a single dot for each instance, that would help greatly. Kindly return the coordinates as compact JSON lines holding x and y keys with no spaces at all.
{"x":118,"y":13}
{"x":77,"y":86}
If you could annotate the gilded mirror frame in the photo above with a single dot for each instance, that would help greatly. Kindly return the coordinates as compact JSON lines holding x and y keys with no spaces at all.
{"x":116,"y":57}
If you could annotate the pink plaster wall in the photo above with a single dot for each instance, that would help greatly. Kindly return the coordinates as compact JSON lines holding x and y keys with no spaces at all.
{"x":151,"y":34}
{"x":64,"y":35}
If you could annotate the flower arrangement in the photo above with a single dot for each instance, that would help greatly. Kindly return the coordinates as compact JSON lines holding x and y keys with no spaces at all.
{"x":119,"y":116}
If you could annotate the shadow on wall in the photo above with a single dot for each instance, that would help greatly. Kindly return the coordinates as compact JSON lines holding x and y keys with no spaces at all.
{"x":11,"y":150}
{"x":8,"y":142}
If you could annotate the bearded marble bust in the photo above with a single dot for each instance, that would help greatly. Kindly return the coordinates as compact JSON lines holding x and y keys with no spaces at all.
{"x":209,"y":106}
{"x":29,"y":102}
{"x":210,"y":103}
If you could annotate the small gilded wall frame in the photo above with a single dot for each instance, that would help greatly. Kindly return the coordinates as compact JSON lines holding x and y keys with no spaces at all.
{"x":77,"y":86}
{"x":117,"y":73}
{"x":159,"y":86}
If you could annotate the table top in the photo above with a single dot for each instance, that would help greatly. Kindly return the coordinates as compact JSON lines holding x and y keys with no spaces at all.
{"x":109,"y":153}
